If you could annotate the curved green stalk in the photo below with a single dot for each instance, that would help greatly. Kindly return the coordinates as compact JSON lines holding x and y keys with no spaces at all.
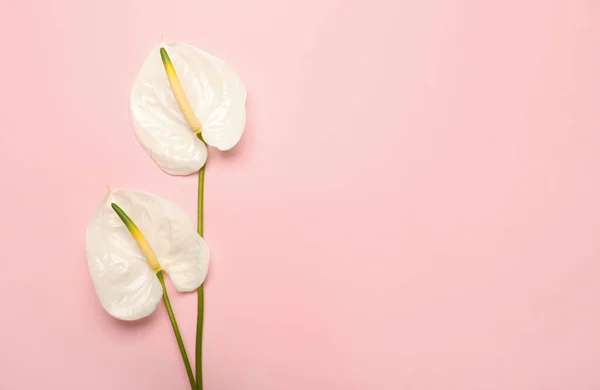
{"x":200,"y":321}
{"x":186,"y":361}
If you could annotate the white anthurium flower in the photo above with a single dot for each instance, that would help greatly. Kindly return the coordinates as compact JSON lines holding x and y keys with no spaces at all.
{"x":181,"y":97}
{"x":132,"y":237}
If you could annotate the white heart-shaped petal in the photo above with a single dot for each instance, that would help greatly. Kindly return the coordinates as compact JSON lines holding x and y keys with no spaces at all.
{"x":215,"y":92}
{"x":126,"y":285}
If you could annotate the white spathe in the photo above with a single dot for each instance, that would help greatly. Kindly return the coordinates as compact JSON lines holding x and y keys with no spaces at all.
{"x":215,"y":92}
{"x":126,"y":285}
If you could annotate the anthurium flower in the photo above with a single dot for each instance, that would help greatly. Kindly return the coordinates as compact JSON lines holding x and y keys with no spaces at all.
{"x":182,"y":98}
{"x":131,"y":237}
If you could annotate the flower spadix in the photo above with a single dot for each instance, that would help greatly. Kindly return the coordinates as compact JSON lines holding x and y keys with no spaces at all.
{"x":132,"y":236}
{"x":182,"y":98}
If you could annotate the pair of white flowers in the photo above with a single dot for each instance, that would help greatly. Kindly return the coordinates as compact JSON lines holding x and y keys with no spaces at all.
{"x":127,"y":285}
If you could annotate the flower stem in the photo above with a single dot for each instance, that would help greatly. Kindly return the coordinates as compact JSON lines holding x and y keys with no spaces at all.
{"x":186,"y":361}
{"x":200,"y":322}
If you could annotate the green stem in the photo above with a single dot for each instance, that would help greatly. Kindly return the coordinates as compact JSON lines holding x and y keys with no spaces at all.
{"x":200,"y":322}
{"x":184,"y":355}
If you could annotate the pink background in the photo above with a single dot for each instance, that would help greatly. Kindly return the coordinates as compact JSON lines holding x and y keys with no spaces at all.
{"x":414,"y":205}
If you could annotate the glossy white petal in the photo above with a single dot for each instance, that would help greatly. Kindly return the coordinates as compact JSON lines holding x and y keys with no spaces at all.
{"x":215,"y":92}
{"x":126,"y":285}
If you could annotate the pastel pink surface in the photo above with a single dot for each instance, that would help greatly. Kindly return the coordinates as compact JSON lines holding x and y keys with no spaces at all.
{"x":414,"y":204}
